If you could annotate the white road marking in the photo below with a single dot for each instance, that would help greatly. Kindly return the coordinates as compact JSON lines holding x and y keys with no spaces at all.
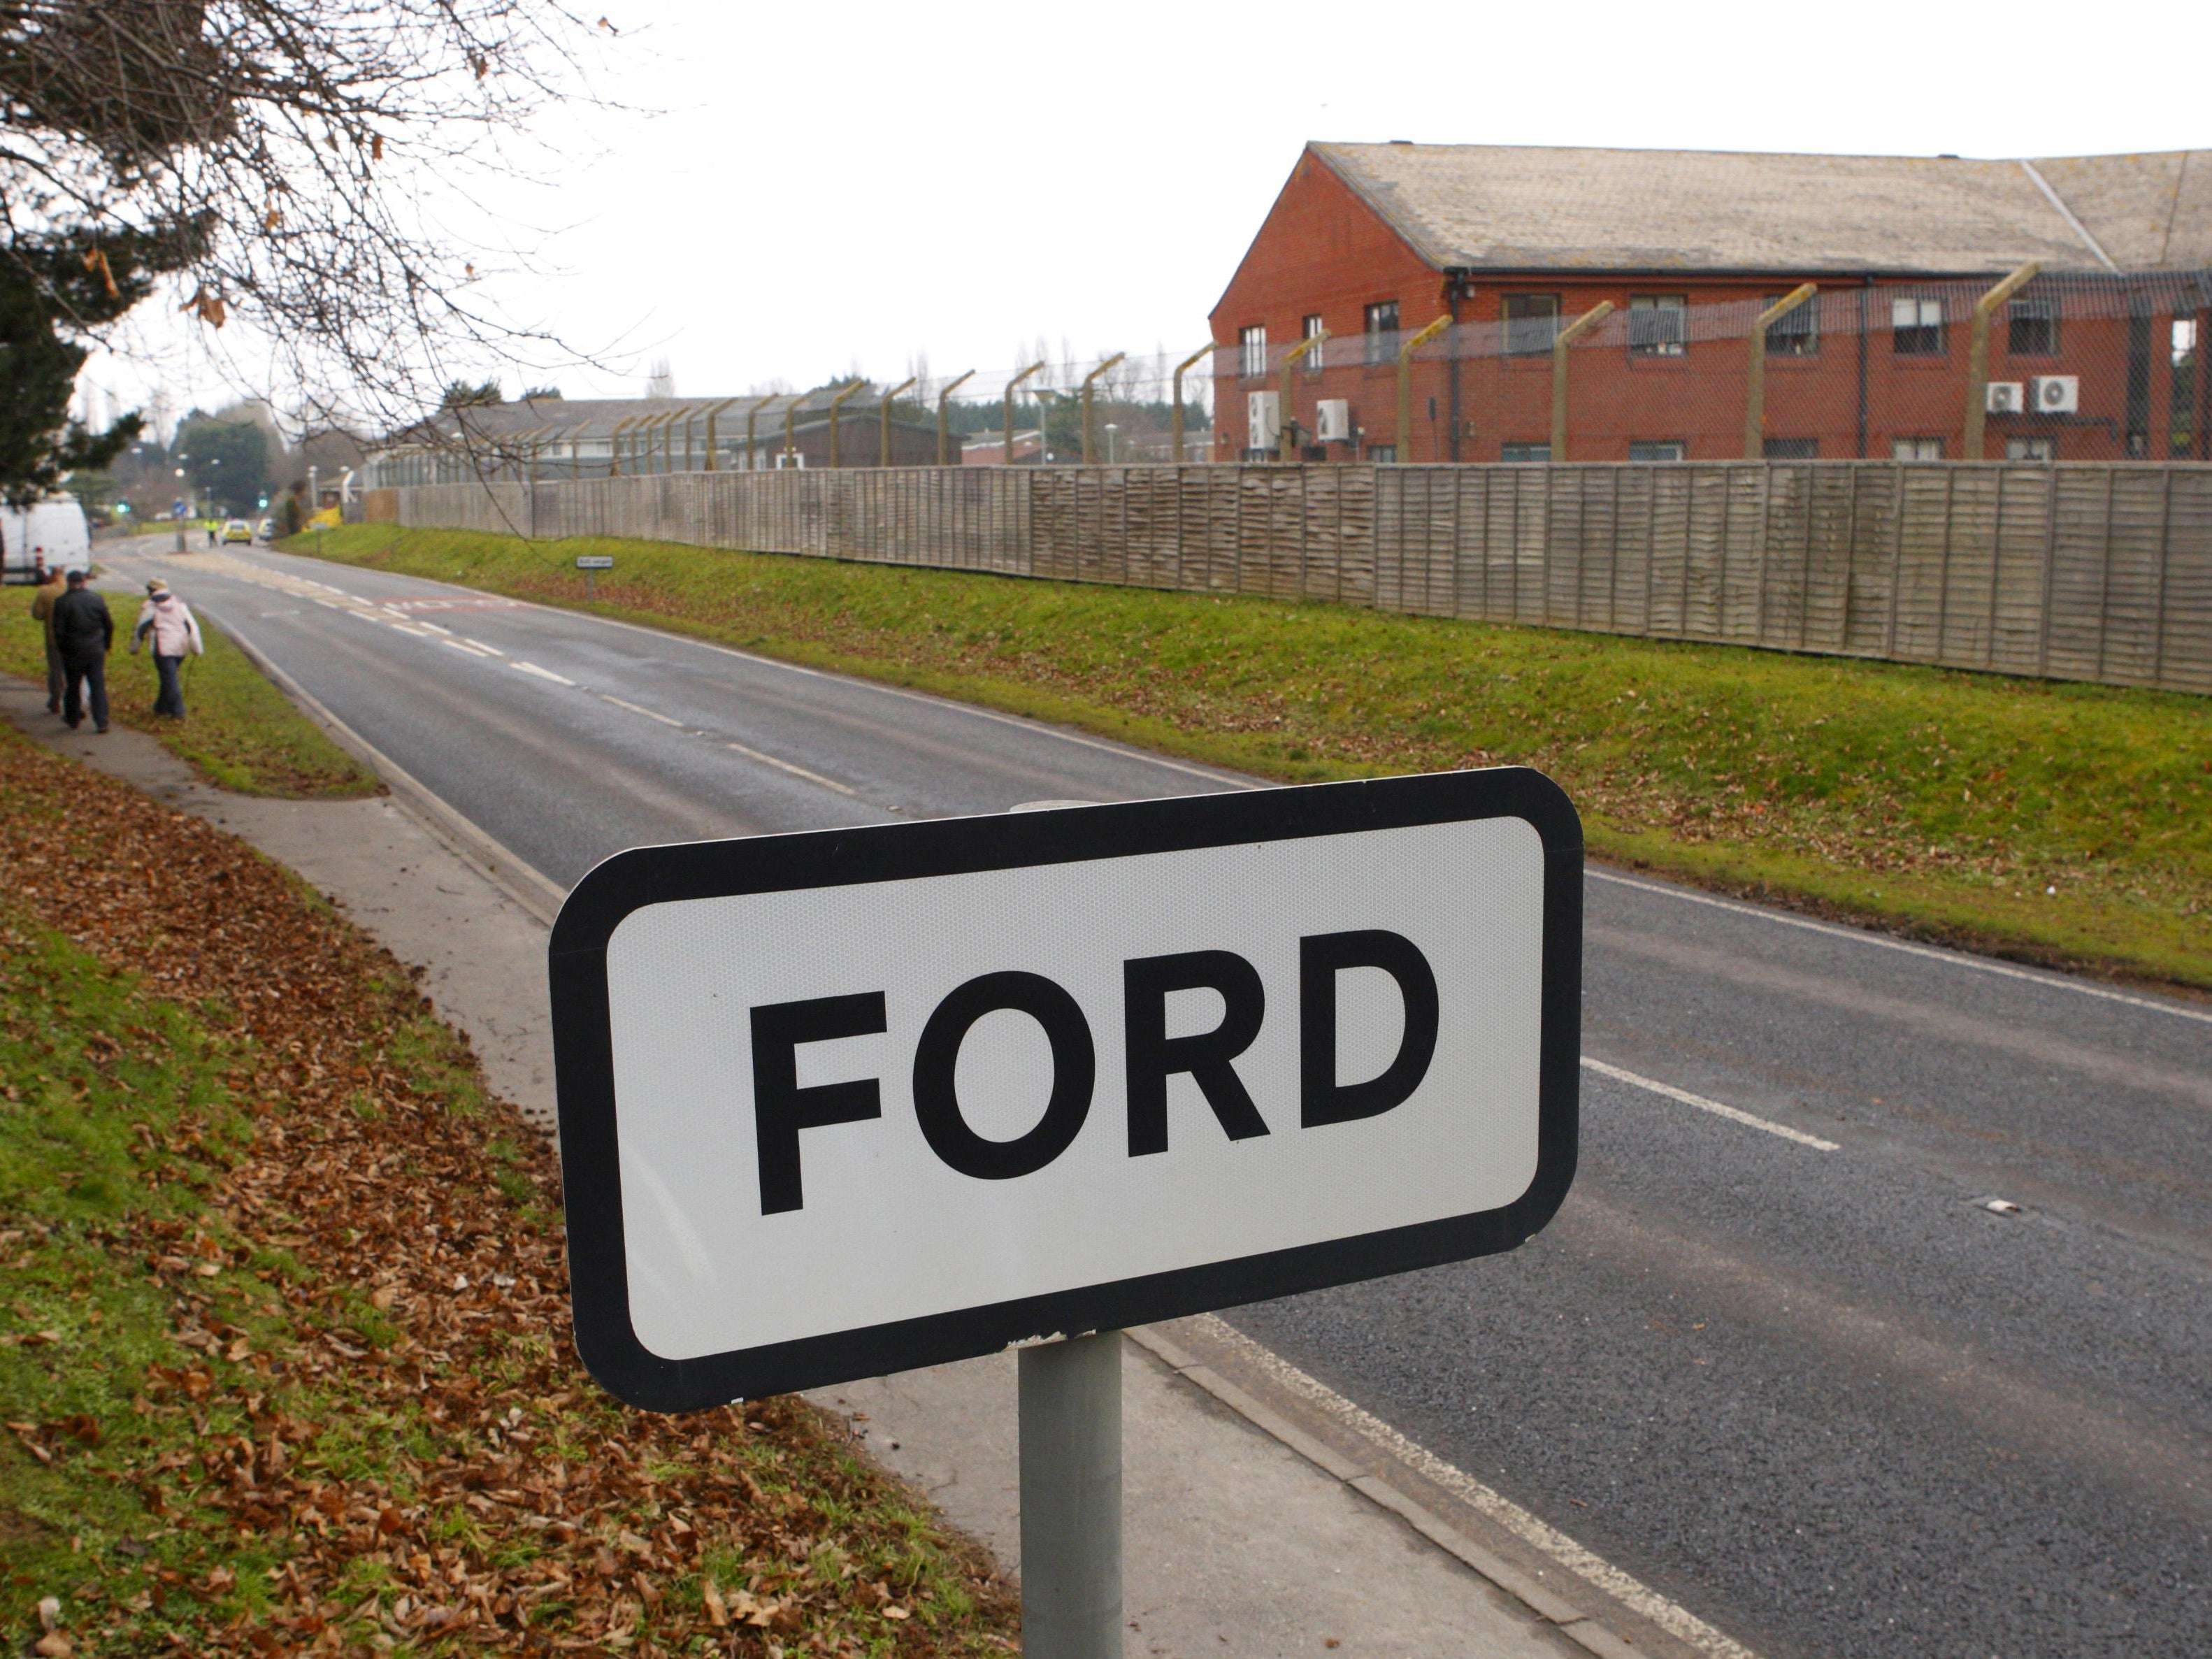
{"x":795,"y":771}
{"x":635,"y":709}
{"x":1734,"y":1114}
{"x":462,"y":646}
{"x":432,"y":626}
{"x":1124,"y":751}
{"x":1675,"y":1619}
{"x":542,"y":673}
{"x":481,"y":645}
{"x":1955,"y":958}
{"x":411,"y":629}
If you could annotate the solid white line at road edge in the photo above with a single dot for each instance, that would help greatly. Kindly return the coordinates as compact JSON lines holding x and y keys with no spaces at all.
{"x":1734,"y":1114}
{"x":1630,"y":1591}
{"x":1955,"y":958}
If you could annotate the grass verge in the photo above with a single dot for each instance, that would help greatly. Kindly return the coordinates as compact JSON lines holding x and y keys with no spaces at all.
{"x":2062,"y":823}
{"x":284,"y":1358}
{"x":241,"y":733}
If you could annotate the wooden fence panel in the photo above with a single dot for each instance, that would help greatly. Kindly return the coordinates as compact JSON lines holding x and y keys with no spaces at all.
{"x":2081,"y":571}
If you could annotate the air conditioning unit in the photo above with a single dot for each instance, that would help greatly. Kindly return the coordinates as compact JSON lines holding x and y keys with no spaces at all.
{"x":1333,"y":420}
{"x":2055,"y":394}
{"x":2006,"y":397}
{"x":1263,"y":419}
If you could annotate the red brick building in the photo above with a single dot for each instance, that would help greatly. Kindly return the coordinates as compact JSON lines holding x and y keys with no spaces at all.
{"x":1371,"y":242}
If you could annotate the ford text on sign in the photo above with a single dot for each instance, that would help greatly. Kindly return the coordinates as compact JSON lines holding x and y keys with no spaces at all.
{"x":852,"y":1102}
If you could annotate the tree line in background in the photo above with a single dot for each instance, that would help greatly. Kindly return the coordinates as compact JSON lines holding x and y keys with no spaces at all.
{"x":233,"y":463}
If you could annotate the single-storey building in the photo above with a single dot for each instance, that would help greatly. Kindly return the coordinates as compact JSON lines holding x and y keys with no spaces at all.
{"x":2095,"y":358}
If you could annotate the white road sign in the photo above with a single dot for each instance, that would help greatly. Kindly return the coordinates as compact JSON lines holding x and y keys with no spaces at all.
{"x":595,"y":561}
{"x":852,"y":1102}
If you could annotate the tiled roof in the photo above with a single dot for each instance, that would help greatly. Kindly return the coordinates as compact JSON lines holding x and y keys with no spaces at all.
{"x":1512,"y":208}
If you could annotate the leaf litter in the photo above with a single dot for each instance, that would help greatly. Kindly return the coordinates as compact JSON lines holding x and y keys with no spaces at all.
{"x":366,"y":1431}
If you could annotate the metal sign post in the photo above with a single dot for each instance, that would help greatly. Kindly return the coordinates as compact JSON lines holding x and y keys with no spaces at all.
{"x":588,"y":563}
{"x":860,"y":1100}
{"x":1071,"y":1459}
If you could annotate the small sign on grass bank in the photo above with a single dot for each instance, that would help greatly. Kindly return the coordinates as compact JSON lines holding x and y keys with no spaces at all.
{"x":588,"y":563}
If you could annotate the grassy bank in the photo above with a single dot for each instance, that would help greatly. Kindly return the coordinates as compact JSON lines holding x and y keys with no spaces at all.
{"x":284,"y":1358}
{"x":242,"y":733}
{"x":2063,"y":824}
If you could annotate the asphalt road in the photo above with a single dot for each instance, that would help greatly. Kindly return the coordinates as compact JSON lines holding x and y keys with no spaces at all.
{"x":1787,"y":1366}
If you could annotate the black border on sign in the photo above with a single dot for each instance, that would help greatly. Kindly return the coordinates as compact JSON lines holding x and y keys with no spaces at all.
{"x":629,"y":881}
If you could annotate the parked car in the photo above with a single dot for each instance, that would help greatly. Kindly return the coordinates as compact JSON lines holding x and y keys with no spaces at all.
{"x":238,"y":531}
{"x":267,"y":531}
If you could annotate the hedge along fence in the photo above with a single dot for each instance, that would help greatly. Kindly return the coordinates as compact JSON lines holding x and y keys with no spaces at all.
{"x":2092,"y":571}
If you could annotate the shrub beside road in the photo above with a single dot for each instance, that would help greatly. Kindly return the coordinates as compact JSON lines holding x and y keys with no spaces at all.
{"x":2068,"y":825}
{"x":242,"y":733}
{"x":284,"y":1360}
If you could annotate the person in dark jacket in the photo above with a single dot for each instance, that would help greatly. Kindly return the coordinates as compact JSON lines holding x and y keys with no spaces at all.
{"x":83,"y":631}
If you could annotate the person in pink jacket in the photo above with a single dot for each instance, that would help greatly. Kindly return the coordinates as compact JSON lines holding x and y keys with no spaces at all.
{"x":175,"y":630}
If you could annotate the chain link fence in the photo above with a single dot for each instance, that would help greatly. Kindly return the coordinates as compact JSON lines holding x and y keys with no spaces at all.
{"x":2041,"y":366}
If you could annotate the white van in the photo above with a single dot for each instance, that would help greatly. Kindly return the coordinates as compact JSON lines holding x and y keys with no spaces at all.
{"x":56,"y":525}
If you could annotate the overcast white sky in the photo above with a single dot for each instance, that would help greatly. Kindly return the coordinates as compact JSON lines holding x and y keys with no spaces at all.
{"x":826,"y":187}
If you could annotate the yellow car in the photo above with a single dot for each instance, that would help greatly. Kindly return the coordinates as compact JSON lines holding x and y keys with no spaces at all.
{"x":238,"y":531}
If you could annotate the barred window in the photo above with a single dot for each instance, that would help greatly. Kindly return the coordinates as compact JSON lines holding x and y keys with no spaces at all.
{"x":2032,"y":328}
{"x":1252,"y":346}
{"x":1658,"y":326}
{"x":1382,"y":331}
{"x":1916,"y":326}
{"x":1796,"y":333}
{"x":1524,"y":452}
{"x":1791,"y":449}
{"x":1532,"y":322}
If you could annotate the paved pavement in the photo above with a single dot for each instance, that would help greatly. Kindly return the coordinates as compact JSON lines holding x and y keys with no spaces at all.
{"x":1877,"y":1322}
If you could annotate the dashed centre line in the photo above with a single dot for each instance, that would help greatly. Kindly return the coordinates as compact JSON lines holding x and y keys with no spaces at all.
{"x":795,"y":771}
{"x":542,"y":673}
{"x":1733,"y":1113}
{"x":636,"y":708}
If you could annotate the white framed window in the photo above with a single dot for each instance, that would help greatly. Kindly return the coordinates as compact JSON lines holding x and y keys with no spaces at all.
{"x":1915,"y":449}
{"x":1796,"y":332}
{"x":2032,"y":328}
{"x":1382,"y":331}
{"x":1658,"y":326}
{"x":2031,"y":449}
{"x":1252,"y":351}
{"x":1311,"y":329}
{"x":1532,"y":322}
{"x":1916,"y":325}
